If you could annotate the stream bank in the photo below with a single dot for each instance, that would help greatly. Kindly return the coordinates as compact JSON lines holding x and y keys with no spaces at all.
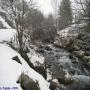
{"x":61,"y":64}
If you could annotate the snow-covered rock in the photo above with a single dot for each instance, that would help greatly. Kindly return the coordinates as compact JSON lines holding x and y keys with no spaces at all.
{"x":64,"y":36}
{"x":36,"y":58}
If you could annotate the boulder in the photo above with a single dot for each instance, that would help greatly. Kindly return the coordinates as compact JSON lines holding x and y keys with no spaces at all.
{"x":16,"y":58}
{"x":66,"y":79}
{"x":48,"y":48}
{"x":86,"y":59}
{"x":80,"y":82}
{"x":54,"y":84}
{"x":61,"y":42}
{"x":75,"y":47}
{"x":27,"y":83}
{"x":79,"y":54}
{"x":88,"y":64}
{"x":71,"y":56}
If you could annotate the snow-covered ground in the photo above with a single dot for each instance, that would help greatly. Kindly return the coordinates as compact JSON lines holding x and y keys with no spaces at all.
{"x":6,"y":34}
{"x":5,"y":24}
{"x":10,"y":70}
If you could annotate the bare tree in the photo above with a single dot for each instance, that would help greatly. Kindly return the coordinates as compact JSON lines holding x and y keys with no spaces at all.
{"x":81,"y":8}
{"x":17,"y":10}
{"x":84,"y":11}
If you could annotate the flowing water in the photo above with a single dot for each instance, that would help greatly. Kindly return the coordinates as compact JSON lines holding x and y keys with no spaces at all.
{"x":59,"y":59}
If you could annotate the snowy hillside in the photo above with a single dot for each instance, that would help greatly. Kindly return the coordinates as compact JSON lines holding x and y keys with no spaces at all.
{"x":5,"y":24}
{"x":6,"y":34}
{"x":10,"y":70}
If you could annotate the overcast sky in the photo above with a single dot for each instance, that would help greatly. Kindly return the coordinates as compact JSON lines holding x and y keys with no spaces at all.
{"x":46,"y":6}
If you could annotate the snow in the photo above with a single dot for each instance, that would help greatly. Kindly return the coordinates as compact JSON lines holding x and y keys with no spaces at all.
{"x":64,"y":36}
{"x":73,"y":29}
{"x":5,"y":24}
{"x":11,"y":70}
{"x":36,"y":58}
{"x":6,"y":34}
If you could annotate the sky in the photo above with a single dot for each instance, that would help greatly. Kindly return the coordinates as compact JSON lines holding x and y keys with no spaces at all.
{"x":45,"y":6}
{"x":48,"y":6}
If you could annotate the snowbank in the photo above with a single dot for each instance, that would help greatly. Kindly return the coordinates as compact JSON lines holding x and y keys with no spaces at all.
{"x":6,"y":34}
{"x":5,"y":24}
{"x":10,"y":70}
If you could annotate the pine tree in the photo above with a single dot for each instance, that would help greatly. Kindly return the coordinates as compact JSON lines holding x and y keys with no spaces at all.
{"x":65,"y":14}
{"x":86,"y":15}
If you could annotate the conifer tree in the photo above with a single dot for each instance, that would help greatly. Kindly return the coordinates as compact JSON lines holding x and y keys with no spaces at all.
{"x":65,"y":14}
